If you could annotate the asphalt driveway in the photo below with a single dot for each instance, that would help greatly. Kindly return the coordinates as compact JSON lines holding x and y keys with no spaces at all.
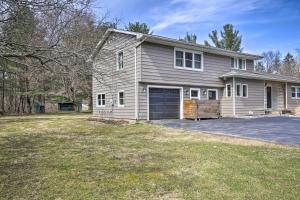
{"x":282,"y":130}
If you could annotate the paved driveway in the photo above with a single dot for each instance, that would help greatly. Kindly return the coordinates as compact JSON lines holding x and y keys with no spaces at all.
{"x":283,"y":130}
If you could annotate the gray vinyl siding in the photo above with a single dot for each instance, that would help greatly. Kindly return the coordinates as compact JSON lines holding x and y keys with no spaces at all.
{"x":143,"y":106}
{"x":227,"y":102}
{"x":250,"y":65}
{"x":255,"y":101}
{"x":143,"y":98}
{"x":113,"y":81}
{"x":277,"y":95}
{"x":244,"y":106}
{"x":292,"y":103}
{"x":158,"y":67}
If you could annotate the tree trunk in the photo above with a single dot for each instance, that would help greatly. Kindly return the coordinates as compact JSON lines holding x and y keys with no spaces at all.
{"x":91,"y":103}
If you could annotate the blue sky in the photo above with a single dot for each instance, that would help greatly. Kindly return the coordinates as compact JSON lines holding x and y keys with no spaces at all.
{"x":264,"y":24}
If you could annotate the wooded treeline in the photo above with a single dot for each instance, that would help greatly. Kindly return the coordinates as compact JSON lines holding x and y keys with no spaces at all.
{"x":44,"y":48}
{"x":274,"y":62}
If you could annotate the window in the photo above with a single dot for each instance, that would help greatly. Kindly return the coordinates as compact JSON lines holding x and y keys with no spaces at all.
{"x":241,"y":90}
{"x":295,"y":92}
{"x":120,"y":61}
{"x":197,"y":61}
{"x":212,"y":94}
{"x":232,"y":63}
{"x":238,"y":63}
{"x":121,"y":98}
{"x":245,"y":90}
{"x":228,"y":90}
{"x":100,"y":100}
{"x":179,"y":58}
{"x":238,"y":89}
{"x":188,"y":60}
{"x":194,"y":93}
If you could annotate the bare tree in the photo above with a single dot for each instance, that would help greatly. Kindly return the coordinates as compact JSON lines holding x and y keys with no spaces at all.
{"x":271,"y":61}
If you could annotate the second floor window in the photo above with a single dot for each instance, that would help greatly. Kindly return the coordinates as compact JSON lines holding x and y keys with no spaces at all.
{"x":120,"y":64}
{"x":188,"y":60}
{"x":238,"y":63}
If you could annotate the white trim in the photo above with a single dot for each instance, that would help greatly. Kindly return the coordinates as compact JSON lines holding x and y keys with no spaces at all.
{"x":97,"y":105}
{"x":265,"y":97}
{"x":217,"y":95}
{"x":117,"y":55}
{"x":236,"y":63}
{"x":193,"y":60}
{"x":227,"y":90}
{"x":199,"y":94}
{"x":243,"y":91}
{"x":233,"y":96}
{"x":135,"y":85}
{"x":119,"y":98}
{"x":297,"y":88}
{"x":286,"y":95}
{"x":168,"y":87}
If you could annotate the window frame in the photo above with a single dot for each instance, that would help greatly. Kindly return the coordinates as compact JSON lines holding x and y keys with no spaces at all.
{"x":243,"y":91}
{"x":199,"y":94}
{"x":118,"y":67}
{"x":217,"y":95}
{"x":228,"y":84}
{"x":296,"y":90}
{"x":97,"y":100}
{"x":121,"y":105}
{"x":236,"y":63}
{"x":193,"y":60}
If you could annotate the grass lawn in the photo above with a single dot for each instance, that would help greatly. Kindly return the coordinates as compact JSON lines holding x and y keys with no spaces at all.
{"x":68,"y":157}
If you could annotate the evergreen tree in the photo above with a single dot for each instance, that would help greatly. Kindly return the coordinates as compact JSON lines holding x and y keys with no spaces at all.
{"x":190,"y":37}
{"x":230,"y":39}
{"x":139,"y":28}
{"x":289,"y":65}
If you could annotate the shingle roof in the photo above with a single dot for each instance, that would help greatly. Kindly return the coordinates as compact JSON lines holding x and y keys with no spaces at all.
{"x":260,"y":76}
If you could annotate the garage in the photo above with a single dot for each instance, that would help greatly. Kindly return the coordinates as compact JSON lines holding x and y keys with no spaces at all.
{"x":164,"y":103}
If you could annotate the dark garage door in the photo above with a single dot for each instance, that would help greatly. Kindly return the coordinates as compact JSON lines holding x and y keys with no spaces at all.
{"x":164,"y":103}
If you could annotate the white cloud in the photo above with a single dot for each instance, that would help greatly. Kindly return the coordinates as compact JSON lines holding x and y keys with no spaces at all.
{"x":209,"y":11}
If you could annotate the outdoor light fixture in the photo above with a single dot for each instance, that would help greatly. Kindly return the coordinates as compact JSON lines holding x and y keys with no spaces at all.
{"x":144,"y":89}
{"x":204,"y":92}
{"x":186,"y":92}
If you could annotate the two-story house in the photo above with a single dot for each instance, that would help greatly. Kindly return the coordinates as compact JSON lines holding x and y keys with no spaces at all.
{"x":145,"y":77}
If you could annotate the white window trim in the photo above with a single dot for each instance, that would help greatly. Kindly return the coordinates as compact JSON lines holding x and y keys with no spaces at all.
{"x":199,"y":94}
{"x":119,"y":98}
{"x":193,"y":62}
{"x":243,"y":91}
{"x":236,"y":61}
{"x":97,"y":102}
{"x":217,"y":95}
{"x":117,"y":56}
{"x":297,"y":88}
{"x":227,"y":90}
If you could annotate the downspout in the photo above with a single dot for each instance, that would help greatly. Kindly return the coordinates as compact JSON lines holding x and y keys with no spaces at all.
{"x":136,"y":108}
{"x":233,"y":95}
